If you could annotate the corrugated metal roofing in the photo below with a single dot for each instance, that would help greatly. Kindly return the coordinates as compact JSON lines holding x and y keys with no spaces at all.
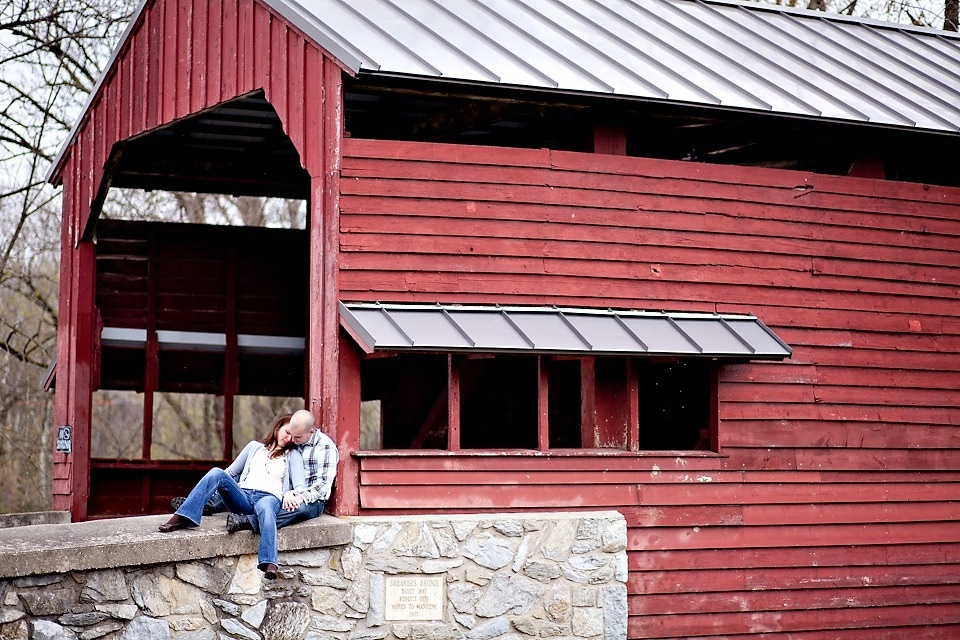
{"x":726,"y":54}
{"x":411,"y":327}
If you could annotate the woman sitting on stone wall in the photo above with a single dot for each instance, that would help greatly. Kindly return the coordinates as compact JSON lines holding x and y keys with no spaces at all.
{"x":256,"y":482}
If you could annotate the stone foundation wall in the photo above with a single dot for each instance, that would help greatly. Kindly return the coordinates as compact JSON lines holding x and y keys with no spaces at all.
{"x":512,"y":576}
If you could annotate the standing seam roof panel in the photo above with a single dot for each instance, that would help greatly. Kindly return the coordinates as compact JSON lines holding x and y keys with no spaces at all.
{"x":866,"y":77}
{"x":737,"y":54}
{"x":681,"y":50}
{"x":615,"y":27}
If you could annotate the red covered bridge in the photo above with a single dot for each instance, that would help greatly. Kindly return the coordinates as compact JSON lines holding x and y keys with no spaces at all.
{"x":698,"y":262}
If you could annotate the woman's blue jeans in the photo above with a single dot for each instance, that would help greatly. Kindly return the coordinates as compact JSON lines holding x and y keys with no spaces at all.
{"x":238,"y":500}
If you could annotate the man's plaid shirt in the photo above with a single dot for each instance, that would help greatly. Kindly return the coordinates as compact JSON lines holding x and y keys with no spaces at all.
{"x":320,"y":458}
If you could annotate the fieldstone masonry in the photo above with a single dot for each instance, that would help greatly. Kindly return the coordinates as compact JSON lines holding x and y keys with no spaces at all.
{"x":506,"y":576}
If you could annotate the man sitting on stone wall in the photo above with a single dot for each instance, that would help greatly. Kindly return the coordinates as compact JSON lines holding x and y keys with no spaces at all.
{"x":320,"y":458}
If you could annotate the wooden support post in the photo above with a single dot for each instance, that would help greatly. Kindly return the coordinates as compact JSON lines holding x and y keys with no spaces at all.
{"x":85,"y":285}
{"x":347,"y":498}
{"x":543,"y":403}
{"x":588,"y":387}
{"x":633,"y":397}
{"x":151,"y":375}
{"x":454,"y":367}
{"x":231,"y":365}
{"x":610,"y":139}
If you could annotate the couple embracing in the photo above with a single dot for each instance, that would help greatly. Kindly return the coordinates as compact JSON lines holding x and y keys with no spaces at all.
{"x":282,"y":479}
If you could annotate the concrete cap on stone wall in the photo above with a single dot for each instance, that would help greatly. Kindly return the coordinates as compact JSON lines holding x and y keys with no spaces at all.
{"x":132,"y":542}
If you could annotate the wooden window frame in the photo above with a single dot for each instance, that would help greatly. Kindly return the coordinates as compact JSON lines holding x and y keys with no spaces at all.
{"x":592,"y":412}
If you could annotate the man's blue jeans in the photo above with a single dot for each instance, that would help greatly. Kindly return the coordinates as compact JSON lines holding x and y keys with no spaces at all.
{"x":283,"y":518}
{"x":303,"y":512}
{"x":259,"y":504}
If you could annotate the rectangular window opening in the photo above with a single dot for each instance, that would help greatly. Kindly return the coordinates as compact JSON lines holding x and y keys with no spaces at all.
{"x":187,"y":426}
{"x":117,"y":417}
{"x":609,"y":402}
{"x":675,"y":405}
{"x":498,"y":403}
{"x":410,"y":394}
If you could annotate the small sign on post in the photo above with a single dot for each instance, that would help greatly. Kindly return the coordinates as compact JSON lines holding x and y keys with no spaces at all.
{"x":413,"y":597}
{"x":64,"y":439}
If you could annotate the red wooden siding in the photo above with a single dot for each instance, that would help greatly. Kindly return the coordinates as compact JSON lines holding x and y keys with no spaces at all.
{"x":832,"y":510}
{"x":183,"y":56}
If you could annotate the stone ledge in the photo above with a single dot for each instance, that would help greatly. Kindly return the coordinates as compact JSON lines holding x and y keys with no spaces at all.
{"x":133,"y":542}
{"x":33,"y":517}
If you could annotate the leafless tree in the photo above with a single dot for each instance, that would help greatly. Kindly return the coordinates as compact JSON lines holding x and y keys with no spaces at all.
{"x":50,"y":56}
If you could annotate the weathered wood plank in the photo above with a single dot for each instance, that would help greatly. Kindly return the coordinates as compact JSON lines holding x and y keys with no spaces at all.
{"x":882,"y":620}
{"x":793,"y":600}
{"x":495,"y":497}
{"x":851,"y":558}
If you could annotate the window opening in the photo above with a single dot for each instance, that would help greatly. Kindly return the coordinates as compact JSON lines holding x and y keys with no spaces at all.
{"x":591,"y":402}
{"x":498,"y":403}
{"x":412,"y":392}
{"x":187,"y":426}
{"x":371,"y":425}
{"x":564,"y":401}
{"x":119,"y":417}
{"x":675,"y":401}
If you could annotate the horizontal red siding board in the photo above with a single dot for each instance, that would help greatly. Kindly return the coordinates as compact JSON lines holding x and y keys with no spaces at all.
{"x":921,"y":632}
{"x":561,"y":497}
{"x":790,"y":514}
{"x":838,"y":434}
{"x":736,"y":579}
{"x":571,"y":460}
{"x":722,"y":624}
{"x":798,"y":600}
{"x":792,"y":535}
{"x":850,"y":558}
{"x":736,"y":493}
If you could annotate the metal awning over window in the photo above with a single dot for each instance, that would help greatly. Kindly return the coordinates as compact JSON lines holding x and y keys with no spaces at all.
{"x":553,"y":330}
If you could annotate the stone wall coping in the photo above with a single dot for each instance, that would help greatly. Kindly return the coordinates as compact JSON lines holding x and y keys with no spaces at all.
{"x":33,"y":517}
{"x":132,"y":542}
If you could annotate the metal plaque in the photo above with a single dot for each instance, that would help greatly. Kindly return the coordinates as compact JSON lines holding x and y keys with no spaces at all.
{"x":413,"y":597}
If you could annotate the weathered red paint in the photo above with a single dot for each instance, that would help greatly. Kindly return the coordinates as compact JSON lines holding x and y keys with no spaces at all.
{"x":831,"y":473}
{"x":162,"y":73}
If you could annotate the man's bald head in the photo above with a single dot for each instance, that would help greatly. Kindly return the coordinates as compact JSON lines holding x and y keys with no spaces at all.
{"x":301,"y":426}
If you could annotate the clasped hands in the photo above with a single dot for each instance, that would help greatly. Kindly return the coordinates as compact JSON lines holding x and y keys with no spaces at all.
{"x":291,"y":501}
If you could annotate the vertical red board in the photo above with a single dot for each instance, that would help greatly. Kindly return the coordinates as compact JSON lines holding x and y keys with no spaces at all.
{"x":201,"y":45}
{"x":154,"y":81}
{"x":61,"y":499}
{"x":295,"y":119}
{"x":216,"y":35}
{"x":329,"y":292}
{"x":184,"y":70}
{"x":260,"y":66}
{"x":245,"y":46}
{"x":82,"y":388}
{"x":230,"y":54}
{"x":311,"y":154}
{"x":278,"y":72}
{"x":346,"y":434}
{"x":168,"y":88}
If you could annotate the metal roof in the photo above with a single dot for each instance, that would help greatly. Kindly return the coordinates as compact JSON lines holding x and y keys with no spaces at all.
{"x":737,"y":55}
{"x":554,"y":330}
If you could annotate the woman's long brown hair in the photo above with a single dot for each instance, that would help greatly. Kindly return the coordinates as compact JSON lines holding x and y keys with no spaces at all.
{"x":272,"y":437}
